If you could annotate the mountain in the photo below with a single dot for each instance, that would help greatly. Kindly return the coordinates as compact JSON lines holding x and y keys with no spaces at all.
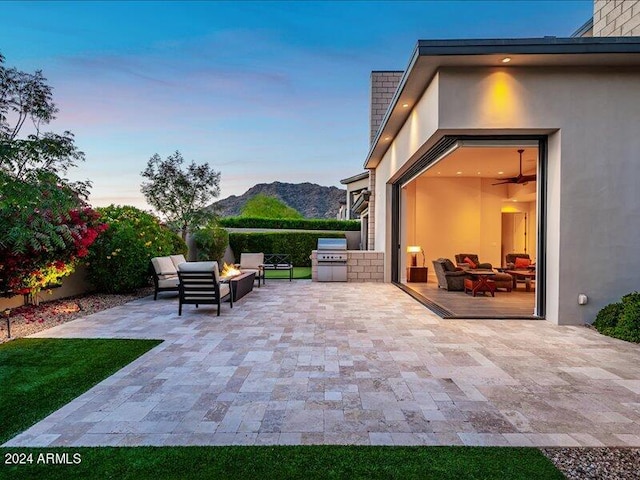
{"x":311,"y":200}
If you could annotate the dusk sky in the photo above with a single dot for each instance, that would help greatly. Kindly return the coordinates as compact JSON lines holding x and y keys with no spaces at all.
{"x":262,"y":91}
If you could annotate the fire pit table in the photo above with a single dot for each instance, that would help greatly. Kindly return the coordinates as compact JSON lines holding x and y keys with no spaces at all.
{"x":240,"y":284}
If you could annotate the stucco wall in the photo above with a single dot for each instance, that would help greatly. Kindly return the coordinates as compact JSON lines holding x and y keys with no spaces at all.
{"x":421,"y":125}
{"x":592,"y":216}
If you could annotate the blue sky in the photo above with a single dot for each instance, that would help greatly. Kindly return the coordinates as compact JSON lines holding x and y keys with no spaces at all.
{"x":262,"y":91}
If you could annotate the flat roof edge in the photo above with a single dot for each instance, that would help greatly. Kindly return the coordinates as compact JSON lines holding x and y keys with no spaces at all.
{"x":355,"y":178}
{"x":544,"y":45}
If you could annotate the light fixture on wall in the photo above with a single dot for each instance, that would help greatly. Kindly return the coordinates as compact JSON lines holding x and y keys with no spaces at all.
{"x":414,"y":250}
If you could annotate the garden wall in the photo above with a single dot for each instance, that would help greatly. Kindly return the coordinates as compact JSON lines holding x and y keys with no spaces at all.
{"x":74,"y":284}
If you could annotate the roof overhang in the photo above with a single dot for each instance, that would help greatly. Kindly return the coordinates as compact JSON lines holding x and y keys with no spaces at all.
{"x":431,"y":55}
{"x":355,"y":178}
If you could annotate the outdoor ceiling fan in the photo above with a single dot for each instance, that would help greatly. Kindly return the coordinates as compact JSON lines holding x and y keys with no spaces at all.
{"x":520,"y":179}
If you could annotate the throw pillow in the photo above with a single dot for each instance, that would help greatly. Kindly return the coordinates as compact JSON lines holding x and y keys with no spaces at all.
{"x":522,"y":263}
{"x":470,"y":262}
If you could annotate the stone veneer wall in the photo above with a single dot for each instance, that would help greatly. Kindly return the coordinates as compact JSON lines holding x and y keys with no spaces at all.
{"x":362,"y":266}
{"x":383,"y":87}
{"x":616,"y":18}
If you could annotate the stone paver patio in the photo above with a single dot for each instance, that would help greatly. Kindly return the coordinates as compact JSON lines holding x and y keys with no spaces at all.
{"x":310,"y":363}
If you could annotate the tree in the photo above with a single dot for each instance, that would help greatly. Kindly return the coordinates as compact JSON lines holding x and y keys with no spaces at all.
{"x":181,"y":196}
{"x":263,"y":206}
{"x":45,"y":223}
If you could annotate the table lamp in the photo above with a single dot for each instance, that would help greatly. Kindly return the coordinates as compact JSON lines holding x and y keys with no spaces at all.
{"x":414,"y":250}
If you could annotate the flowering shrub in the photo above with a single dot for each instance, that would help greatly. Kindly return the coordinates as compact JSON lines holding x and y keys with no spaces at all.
{"x":45,"y":230}
{"x":118,"y":261}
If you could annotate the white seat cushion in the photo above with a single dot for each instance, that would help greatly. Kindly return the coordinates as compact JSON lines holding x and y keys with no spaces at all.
{"x":177,"y":260}
{"x":164,"y":266}
{"x":168,"y":282}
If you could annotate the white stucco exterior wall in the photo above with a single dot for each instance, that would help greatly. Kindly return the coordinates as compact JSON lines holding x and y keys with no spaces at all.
{"x":591,"y":117}
{"x":420,"y":126}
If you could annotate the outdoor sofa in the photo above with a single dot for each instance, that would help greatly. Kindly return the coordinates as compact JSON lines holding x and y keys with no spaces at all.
{"x":164,"y":271}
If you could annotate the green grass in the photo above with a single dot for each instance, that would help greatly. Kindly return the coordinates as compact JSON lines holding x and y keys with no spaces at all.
{"x":40,"y":375}
{"x":299,"y":273}
{"x":289,"y":462}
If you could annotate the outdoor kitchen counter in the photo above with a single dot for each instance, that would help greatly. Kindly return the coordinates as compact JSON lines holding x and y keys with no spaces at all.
{"x":362,"y":266}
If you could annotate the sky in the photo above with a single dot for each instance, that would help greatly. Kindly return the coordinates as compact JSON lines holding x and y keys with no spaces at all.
{"x":262,"y":91}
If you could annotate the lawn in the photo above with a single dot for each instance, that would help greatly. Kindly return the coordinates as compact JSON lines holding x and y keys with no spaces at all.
{"x":285,"y":462}
{"x":40,"y":375}
{"x":299,"y":273}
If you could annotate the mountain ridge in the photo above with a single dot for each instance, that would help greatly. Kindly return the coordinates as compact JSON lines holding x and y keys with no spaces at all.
{"x":310,"y":199}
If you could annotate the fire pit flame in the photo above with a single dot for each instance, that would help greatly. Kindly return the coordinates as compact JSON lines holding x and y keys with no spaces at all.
{"x":229,"y":270}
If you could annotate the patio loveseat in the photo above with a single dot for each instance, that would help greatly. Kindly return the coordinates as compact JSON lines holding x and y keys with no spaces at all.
{"x":164,"y":271}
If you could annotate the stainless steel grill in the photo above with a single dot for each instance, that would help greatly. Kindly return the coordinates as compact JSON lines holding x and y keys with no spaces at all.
{"x":332,"y":259}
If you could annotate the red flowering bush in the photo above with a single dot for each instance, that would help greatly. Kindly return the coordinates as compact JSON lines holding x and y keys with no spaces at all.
{"x":45,"y":229}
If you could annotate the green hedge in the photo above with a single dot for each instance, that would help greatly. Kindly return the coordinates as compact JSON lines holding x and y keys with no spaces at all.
{"x":290,"y":223}
{"x":621,"y":320}
{"x":297,"y":244}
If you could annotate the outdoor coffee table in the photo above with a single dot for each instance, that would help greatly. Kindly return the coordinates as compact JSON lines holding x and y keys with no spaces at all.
{"x":528,"y":275}
{"x":240,"y":284}
{"x":480,"y":281}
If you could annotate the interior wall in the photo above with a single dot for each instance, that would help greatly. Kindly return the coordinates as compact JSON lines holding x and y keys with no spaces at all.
{"x":446,"y":216}
{"x":513,"y":229}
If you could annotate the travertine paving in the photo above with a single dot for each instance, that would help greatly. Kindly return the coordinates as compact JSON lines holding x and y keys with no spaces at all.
{"x":312,"y":363}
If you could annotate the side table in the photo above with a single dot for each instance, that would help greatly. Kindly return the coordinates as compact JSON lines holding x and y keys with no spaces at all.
{"x":417,"y":274}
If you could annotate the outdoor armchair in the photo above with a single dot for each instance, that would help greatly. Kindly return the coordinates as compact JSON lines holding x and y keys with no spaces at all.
{"x":252,"y":263}
{"x":200,"y":285}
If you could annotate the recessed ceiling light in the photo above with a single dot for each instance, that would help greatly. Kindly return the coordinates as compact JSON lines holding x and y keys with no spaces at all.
{"x":478,"y":173}
{"x":387,"y":138}
{"x":506,"y":59}
{"x":500,"y":173}
{"x":438,"y":173}
{"x":515,"y":199}
{"x":458,"y":173}
{"x":405,"y":105}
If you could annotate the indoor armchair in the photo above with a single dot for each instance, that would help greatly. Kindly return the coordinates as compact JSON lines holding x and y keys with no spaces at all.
{"x":449,"y":277}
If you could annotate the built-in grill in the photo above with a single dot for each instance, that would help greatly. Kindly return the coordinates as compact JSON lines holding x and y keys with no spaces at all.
{"x":332,"y":259}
